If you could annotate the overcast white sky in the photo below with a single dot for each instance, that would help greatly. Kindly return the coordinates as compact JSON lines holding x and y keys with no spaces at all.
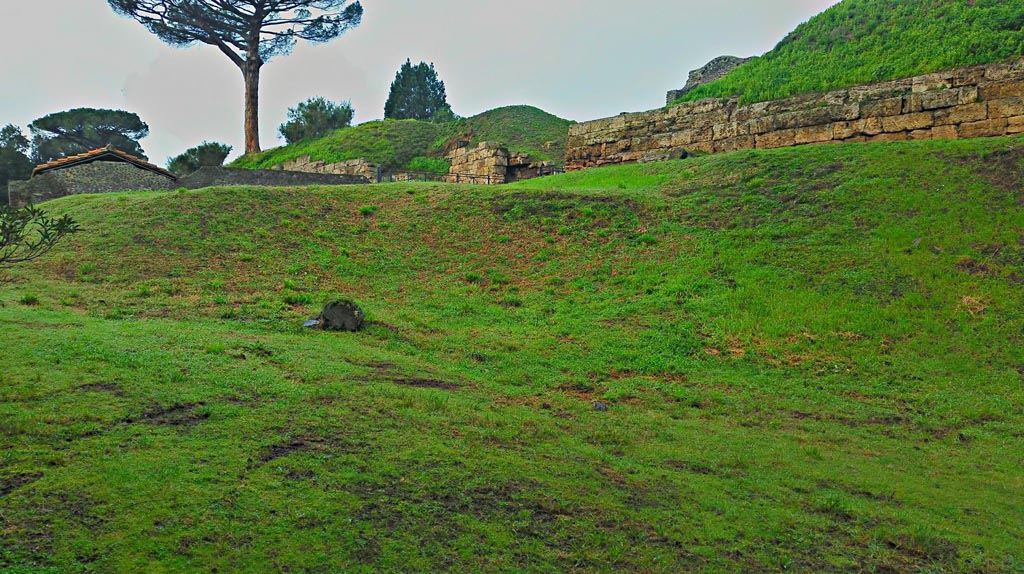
{"x":577,"y":59}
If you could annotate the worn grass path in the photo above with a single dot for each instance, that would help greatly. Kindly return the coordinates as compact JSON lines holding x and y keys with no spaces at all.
{"x":811,"y":361}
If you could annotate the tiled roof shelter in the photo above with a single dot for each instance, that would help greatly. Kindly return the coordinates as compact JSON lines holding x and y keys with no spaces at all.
{"x":108,"y":153}
{"x":102,"y":170}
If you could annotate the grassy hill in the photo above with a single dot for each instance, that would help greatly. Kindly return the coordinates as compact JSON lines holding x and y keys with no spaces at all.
{"x":862,"y":41}
{"x":805,"y":360}
{"x":396,"y":143}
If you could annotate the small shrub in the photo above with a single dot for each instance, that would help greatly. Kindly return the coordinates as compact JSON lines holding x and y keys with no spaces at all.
{"x":429,"y":164}
{"x":29,"y":299}
{"x":367,"y":210}
{"x":294,"y":299}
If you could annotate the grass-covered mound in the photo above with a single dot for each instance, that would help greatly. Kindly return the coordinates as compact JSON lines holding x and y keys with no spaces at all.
{"x":862,"y":41}
{"x":402,"y":144}
{"x":522,"y":128}
{"x":811,"y":360}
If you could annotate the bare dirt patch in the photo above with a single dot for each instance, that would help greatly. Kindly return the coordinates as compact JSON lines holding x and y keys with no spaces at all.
{"x":182,"y":414}
{"x":9,"y":484}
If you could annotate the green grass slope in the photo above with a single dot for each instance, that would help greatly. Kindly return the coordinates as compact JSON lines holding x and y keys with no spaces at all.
{"x":863,"y":41}
{"x":395,"y":143}
{"x":522,"y":128}
{"x":811,"y":359}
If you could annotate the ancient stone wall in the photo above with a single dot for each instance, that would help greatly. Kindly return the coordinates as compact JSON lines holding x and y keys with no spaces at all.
{"x":487,"y":160}
{"x":74,"y":180}
{"x":359,"y":167}
{"x":493,"y":163}
{"x":95,"y":177}
{"x":214,"y":176}
{"x":979,"y":101}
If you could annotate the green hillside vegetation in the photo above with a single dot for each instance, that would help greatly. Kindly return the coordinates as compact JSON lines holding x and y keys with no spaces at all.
{"x":804,"y":360}
{"x":395,"y":144}
{"x":863,"y":41}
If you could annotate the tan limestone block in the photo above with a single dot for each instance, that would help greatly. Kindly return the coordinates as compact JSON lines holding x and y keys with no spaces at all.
{"x":908,"y":122}
{"x":751,"y":112}
{"x":961,"y":114}
{"x":814,"y":134}
{"x":929,"y":82}
{"x":987,"y":128}
{"x":880,"y":108}
{"x":735,"y":144}
{"x":939,"y":99}
{"x":889,"y":137}
{"x":920,"y":135}
{"x":945,"y":133}
{"x":968,"y":76}
{"x":844,"y":112}
{"x":780,"y":138}
{"x":1006,"y":108}
{"x":705,"y":146}
{"x":726,"y":130}
{"x":1015,"y":125}
{"x":968,"y":95}
{"x":912,"y":103}
{"x":1001,"y":90}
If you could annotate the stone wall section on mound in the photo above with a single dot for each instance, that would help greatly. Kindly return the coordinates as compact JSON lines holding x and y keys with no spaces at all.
{"x":979,"y":101}
{"x":487,"y":160}
{"x":714,"y":70}
{"x":357,"y":167}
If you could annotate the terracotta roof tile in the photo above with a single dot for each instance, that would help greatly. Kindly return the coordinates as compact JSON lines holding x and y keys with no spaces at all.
{"x":99,"y":153}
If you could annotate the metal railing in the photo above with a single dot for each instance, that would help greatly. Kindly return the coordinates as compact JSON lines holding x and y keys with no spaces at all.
{"x":470,"y":178}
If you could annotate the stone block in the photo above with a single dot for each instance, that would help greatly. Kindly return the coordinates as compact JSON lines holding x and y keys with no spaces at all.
{"x":998,"y":72}
{"x":929,"y":82}
{"x":939,"y":99}
{"x":803,"y":118}
{"x":912,"y":103}
{"x":880,"y":108}
{"x":1015,"y":125}
{"x":726,"y":130}
{"x":780,"y":138}
{"x":920,"y":135}
{"x":1006,"y":108}
{"x":735,"y":144}
{"x":968,"y":95}
{"x":888,"y":137}
{"x":752,"y":112}
{"x":814,"y":134}
{"x":1001,"y":90}
{"x":961,"y":114}
{"x":865,"y":126}
{"x":968,"y":76}
{"x":844,"y":112}
{"x":908,"y":122}
{"x":987,"y":128}
{"x":944,"y":133}
{"x":704,"y":147}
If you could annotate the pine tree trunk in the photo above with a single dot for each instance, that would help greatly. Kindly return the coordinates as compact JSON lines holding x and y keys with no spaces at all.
{"x":252,"y":103}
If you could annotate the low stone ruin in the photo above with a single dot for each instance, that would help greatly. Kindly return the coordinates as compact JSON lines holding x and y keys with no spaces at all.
{"x":357,"y":167}
{"x":493,"y":163}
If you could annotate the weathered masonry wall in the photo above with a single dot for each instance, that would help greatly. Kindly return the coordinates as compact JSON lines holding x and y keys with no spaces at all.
{"x":357,"y":167}
{"x":95,"y":177}
{"x":214,"y":176}
{"x":103,"y":177}
{"x":492,"y":163}
{"x":979,"y":101}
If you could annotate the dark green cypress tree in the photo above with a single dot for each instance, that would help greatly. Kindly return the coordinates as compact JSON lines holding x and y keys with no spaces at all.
{"x":416,"y":93}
